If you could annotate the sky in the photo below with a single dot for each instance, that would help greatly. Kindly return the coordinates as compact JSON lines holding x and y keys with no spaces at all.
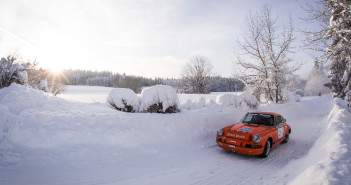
{"x":151,"y":38}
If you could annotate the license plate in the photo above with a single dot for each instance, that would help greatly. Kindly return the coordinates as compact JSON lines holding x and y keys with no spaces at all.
{"x":231,"y":146}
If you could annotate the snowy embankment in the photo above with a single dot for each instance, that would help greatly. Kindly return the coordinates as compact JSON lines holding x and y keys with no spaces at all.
{"x":51,"y":140}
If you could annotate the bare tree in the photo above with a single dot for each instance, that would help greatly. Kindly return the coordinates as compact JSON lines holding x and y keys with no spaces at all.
{"x":264,"y":53}
{"x":196,"y":75}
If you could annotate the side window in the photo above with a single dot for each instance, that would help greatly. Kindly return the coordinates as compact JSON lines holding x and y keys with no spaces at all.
{"x":279,"y":120}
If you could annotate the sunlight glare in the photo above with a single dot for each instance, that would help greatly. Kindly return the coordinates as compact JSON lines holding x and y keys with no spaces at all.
{"x":56,"y":70}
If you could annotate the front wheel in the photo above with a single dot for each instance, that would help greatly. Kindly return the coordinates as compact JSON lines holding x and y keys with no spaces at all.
{"x":267,"y":149}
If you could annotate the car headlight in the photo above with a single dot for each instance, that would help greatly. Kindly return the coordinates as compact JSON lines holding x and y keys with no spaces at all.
{"x":256,"y":139}
{"x":219,"y":132}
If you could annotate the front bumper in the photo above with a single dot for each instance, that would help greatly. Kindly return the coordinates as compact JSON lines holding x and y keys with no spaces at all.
{"x":239,"y":146}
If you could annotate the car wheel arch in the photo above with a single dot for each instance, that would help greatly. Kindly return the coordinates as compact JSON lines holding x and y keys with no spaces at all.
{"x":271,"y":140}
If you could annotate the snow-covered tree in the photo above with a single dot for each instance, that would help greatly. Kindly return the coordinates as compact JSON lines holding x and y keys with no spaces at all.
{"x":334,"y":40}
{"x":296,"y":84}
{"x":196,"y":75}
{"x":222,"y":84}
{"x":11,"y":72}
{"x":37,"y":77}
{"x":316,"y":80}
{"x":265,"y":47}
{"x":339,"y":31}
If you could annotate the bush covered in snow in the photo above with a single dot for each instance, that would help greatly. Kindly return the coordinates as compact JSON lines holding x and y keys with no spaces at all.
{"x":227,"y":100}
{"x":249,"y":99}
{"x":43,"y":85}
{"x":237,"y":100}
{"x":159,"y":99}
{"x":196,"y":103}
{"x":123,"y":99}
{"x":11,"y":72}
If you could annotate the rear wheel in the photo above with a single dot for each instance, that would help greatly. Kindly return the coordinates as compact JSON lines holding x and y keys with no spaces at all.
{"x":267,"y":149}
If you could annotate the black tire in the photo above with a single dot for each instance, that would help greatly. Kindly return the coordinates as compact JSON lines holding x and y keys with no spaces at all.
{"x":267,"y":149}
{"x":286,"y":139}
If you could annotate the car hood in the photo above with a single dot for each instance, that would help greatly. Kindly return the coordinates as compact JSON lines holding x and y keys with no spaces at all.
{"x":245,"y":131}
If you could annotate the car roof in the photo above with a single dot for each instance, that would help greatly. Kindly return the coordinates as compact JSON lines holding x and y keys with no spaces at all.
{"x":272,"y":113}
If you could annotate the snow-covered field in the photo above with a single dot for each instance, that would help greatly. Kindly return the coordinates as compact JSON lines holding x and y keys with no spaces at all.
{"x":77,"y":138}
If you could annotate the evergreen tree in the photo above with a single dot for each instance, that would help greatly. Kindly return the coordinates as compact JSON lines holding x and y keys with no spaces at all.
{"x":339,"y":49}
{"x":334,"y":40}
{"x":316,"y":80}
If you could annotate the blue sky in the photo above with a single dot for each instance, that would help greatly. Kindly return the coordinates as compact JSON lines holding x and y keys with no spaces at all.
{"x":152,"y":38}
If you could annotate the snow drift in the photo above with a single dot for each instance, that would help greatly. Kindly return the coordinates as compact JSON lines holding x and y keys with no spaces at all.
{"x":329,"y":158}
{"x":50,"y":140}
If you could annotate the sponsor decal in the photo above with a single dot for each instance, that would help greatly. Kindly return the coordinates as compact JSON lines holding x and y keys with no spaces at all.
{"x":244,"y":129}
{"x":240,"y":136}
{"x":236,"y":135}
{"x":232,"y":141}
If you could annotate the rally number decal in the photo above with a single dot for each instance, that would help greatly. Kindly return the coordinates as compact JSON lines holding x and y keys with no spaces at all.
{"x":280,"y":132}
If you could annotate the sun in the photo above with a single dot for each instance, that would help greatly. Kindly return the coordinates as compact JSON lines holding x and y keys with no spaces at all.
{"x":56,"y":70}
{"x":56,"y":67}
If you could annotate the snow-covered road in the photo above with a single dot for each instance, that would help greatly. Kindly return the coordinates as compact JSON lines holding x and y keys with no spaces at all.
{"x":50,"y":140}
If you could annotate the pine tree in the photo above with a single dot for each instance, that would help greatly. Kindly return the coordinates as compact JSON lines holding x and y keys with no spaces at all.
{"x":316,"y":80}
{"x":339,"y":49}
{"x":334,"y":40}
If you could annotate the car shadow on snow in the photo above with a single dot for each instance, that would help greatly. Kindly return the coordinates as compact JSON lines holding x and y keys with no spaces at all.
{"x":279,"y":156}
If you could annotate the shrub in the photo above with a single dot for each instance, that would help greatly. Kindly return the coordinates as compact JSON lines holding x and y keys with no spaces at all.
{"x":159,"y":99}
{"x":11,"y":72}
{"x":237,"y":100}
{"x":123,"y":99}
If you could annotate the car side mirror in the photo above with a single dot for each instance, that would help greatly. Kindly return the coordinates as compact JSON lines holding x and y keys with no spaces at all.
{"x":284,"y":120}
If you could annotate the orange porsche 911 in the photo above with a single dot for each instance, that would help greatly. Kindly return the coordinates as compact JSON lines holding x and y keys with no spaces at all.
{"x":256,"y":134}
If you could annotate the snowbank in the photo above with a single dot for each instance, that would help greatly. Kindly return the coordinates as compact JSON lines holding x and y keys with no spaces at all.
{"x":161,"y":98}
{"x":196,"y":103}
{"x":34,"y":120}
{"x":19,"y":98}
{"x":219,"y":101}
{"x":4,"y":113}
{"x":49,"y":140}
{"x":123,"y":99}
{"x":328,"y":161}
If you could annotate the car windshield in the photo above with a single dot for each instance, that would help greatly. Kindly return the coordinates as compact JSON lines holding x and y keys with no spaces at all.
{"x":258,"y":119}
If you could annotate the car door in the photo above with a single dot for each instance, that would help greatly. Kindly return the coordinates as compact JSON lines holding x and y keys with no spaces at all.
{"x":280,"y":127}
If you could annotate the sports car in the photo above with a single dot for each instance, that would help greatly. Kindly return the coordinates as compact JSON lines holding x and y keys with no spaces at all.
{"x":255,"y":134}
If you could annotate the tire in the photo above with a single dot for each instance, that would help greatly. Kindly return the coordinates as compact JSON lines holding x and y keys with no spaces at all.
{"x":286,"y":139}
{"x":267,"y":149}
